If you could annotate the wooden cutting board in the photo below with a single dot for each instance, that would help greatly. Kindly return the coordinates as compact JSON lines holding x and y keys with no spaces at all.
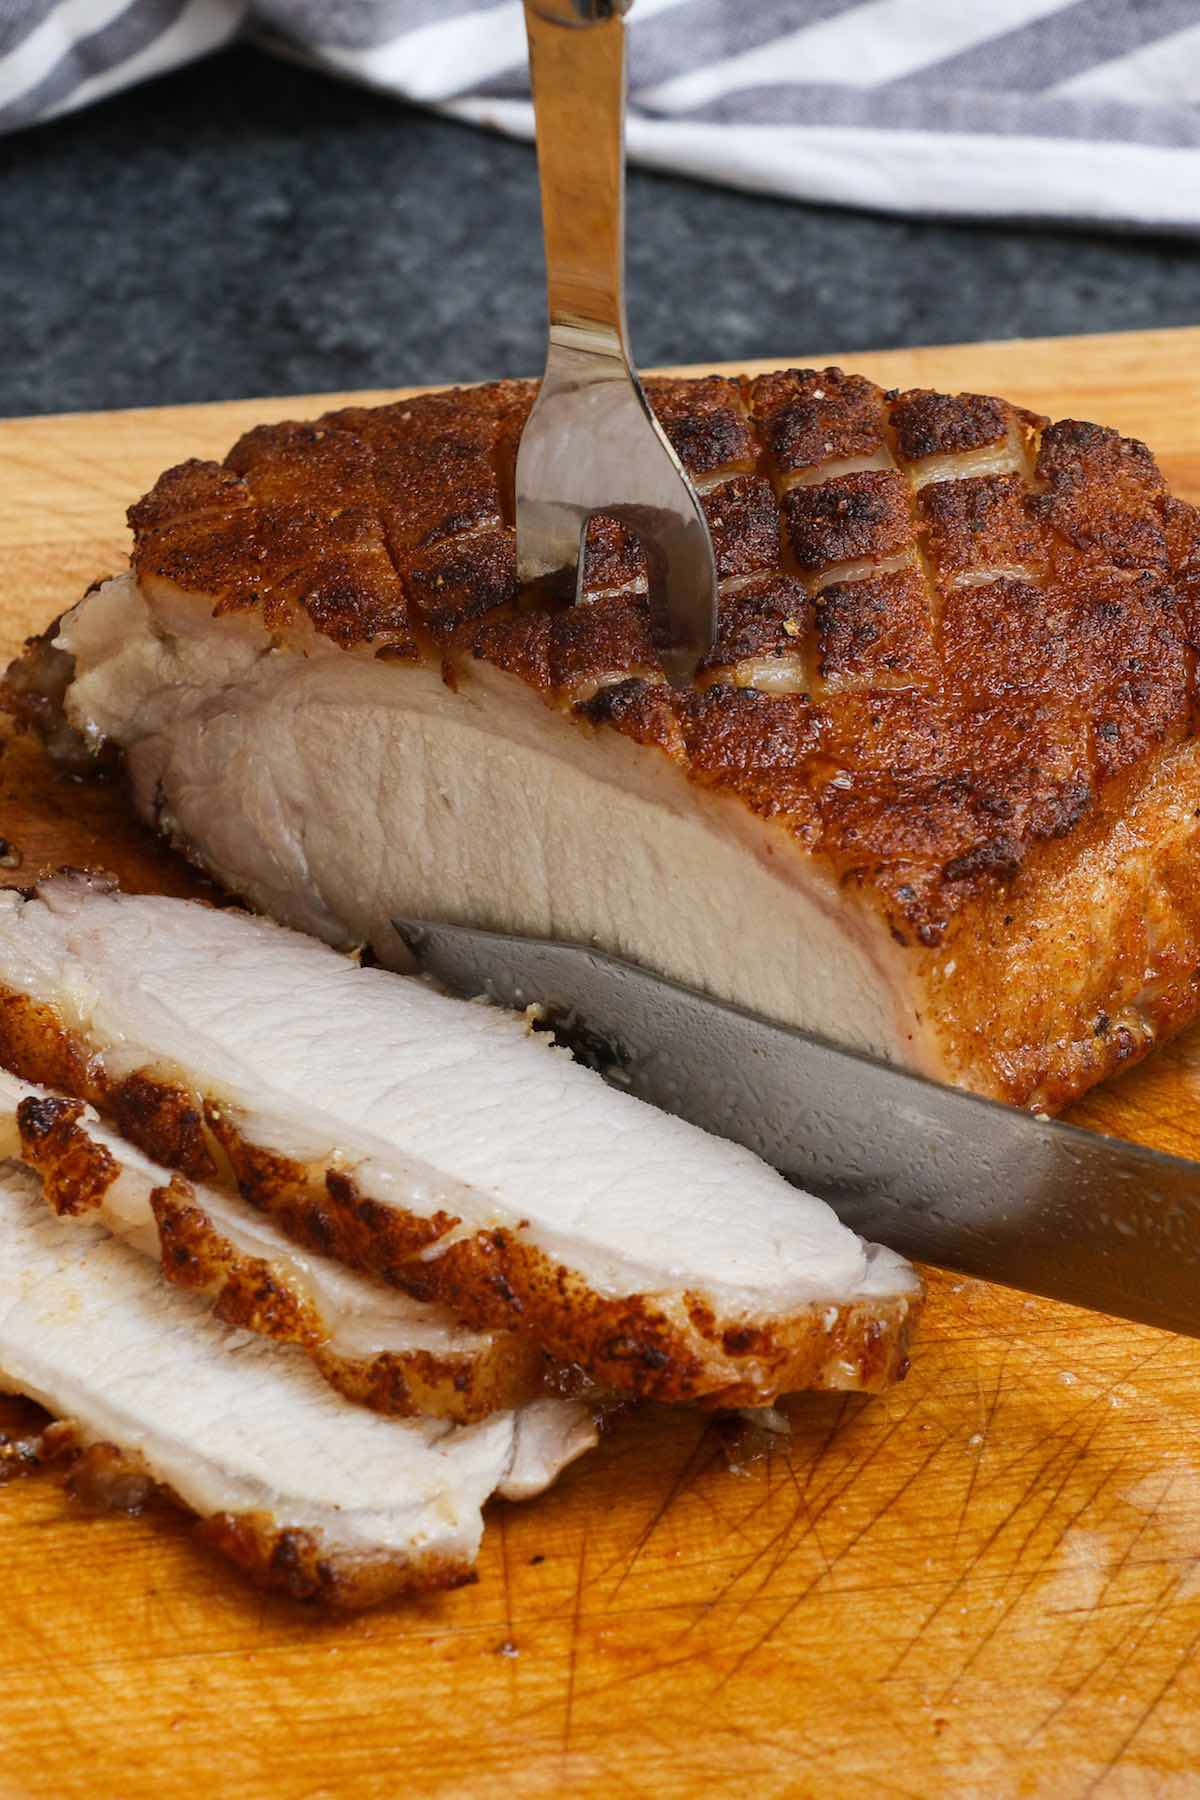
{"x":985,"y":1583}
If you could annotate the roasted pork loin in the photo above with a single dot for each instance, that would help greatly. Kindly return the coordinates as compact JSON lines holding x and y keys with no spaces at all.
{"x":374,"y":1344}
{"x":324,"y":1500}
{"x":935,"y":793}
{"x":443,"y":1147}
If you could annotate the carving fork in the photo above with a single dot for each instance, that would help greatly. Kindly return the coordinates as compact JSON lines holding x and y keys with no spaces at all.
{"x":591,"y":443}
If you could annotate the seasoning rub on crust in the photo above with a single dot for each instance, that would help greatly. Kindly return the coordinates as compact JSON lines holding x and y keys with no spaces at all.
{"x":935,"y":792}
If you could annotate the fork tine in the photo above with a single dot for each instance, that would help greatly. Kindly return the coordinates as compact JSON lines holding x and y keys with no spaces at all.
{"x":592,"y":443}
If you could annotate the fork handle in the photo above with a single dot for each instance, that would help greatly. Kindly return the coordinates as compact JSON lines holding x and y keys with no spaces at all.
{"x":577,"y":68}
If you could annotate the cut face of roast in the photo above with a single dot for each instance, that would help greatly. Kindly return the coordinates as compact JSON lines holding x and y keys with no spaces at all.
{"x":934,"y":795}
{"x":446,"y":1148}
{"x":309,"y":1494}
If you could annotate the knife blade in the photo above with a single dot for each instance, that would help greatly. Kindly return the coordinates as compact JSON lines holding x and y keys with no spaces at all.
{"x":941,"y":1174}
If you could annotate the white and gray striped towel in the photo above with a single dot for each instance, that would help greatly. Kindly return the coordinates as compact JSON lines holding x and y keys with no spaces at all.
{"x":1068,"y":109}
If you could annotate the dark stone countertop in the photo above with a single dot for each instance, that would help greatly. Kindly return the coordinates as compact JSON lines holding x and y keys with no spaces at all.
{"x":247,"y":227}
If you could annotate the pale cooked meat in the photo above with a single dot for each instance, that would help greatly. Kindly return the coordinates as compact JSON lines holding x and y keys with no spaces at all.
{"x":446,"y":1147}
{"x":374,"y":1344}
{"x":935,"y":793}
{"x":307,"y":1493}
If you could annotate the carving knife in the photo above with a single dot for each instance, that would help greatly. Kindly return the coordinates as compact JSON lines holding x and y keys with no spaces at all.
{"x":938,"y":1173}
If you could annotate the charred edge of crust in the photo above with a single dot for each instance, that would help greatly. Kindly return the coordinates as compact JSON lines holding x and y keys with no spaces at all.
{"x":33,"y":692}
{"x":106,"y":1479}
{"x":674,"y":1350}
{"x":464,"y":1388}
{"x":297,"y":1564}
{"x":151,"y":1110}
{"x":24,"y":1454}
{"x":37,"y":1047}
{"x":36,"y":682}
{"x":76,"y":1171}
{"x":247,"y":1291}
{"x":100,"y":1477}
{"x":318,"y":1206}
{"x":158,"y":1115}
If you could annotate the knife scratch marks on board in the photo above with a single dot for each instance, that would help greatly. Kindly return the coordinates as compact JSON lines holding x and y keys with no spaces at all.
{"x":1149,"y":1616}
{"x":983,"y":1435}
{"x":573,"y":1653}
{"x":787,"y":1539}
{"x":1179,"y":1583}
{"x":971,"y":1567}
{"x":1114,"y":1575}
{"x":1147,"y":1713}
{"x":801,"y":1502}
{"x":699,"y":1459}
{"x":1126,"y":1650}
{"x":777,"y":1550}
{"x":1134,"y":1652}
{"x":653,"y":1672}
{"x":1051,"y":1357}
{"x":1079,"y":1460}
{"x":1005,"y":1612}
{"x":844,"y":1407}
{"x":810,"y":1587}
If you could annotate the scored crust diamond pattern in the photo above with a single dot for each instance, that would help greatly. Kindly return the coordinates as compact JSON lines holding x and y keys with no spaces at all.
{"x":944,"y":621}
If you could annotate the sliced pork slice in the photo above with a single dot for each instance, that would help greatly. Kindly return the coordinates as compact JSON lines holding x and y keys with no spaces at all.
{"x":322,"y":1499}
{"x":375,"y":1344}
{"x":935,"y":793}
{"x":446,"y":1147}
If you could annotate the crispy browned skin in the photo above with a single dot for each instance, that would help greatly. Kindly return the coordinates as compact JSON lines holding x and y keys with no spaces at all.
{"x":76,"y":1172}
{"x":983,"y":627}
{"x":638,"y":1345}
{"x":101,"y":1478}
{"x":668,"y":1349}
{"x":248,"y":1291}
{"x":296,"y":1564}
{"x":251,"y":1294}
